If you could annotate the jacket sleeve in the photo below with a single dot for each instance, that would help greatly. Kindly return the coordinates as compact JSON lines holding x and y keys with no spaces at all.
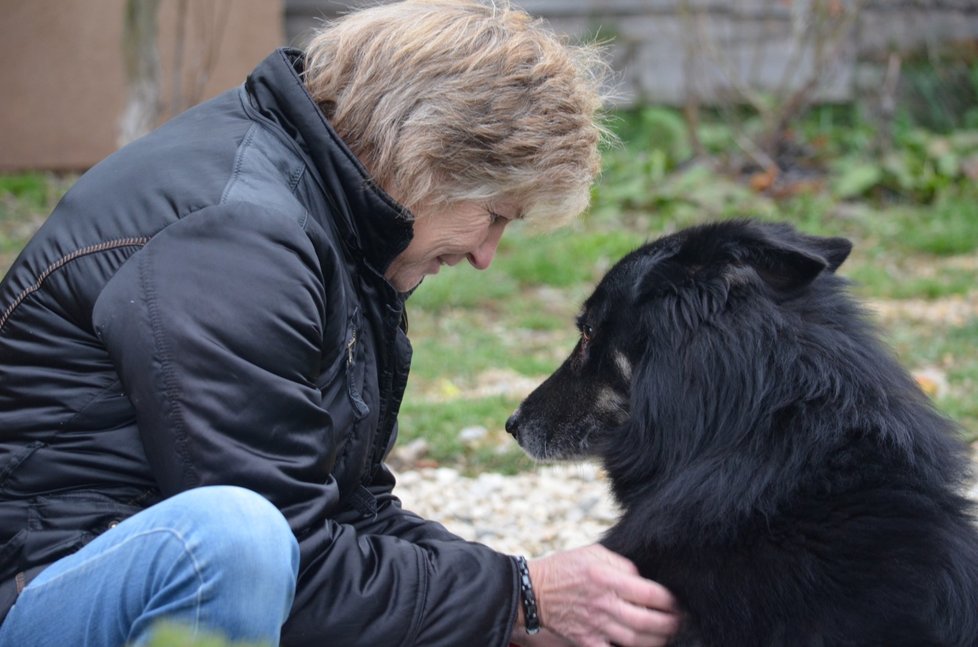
{"x":392,"y":519}
{"x":215,"y":327}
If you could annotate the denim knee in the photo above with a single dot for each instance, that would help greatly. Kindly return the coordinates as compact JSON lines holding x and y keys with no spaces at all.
{"x":215,"y":559}
{"x":242,"y":539}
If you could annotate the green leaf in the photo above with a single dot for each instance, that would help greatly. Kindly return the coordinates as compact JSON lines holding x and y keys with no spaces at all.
{"x":857,"y":179}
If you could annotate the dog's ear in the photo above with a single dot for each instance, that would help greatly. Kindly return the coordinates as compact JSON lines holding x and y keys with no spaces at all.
{"x":784,"y":268}
{"x":651,"y":272}
{"x":834,"y":250}
{"x":787,"y":260}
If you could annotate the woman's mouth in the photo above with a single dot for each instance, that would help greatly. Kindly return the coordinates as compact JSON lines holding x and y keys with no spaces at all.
{"x":450,"y":261}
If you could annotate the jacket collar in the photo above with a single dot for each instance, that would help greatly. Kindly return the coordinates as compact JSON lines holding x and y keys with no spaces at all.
{"x":372,"y":222}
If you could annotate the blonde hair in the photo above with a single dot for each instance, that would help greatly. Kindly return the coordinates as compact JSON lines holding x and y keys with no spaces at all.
{"x":446,"y":101}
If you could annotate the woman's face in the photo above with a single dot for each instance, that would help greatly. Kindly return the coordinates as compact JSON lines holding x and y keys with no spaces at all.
{"x":465,"y":231}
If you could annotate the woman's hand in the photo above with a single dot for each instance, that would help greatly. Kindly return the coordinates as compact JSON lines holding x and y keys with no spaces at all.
{"x":592,"y":597}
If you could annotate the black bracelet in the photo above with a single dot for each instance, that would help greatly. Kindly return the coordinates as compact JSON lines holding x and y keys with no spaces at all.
{"x":531,"y":618}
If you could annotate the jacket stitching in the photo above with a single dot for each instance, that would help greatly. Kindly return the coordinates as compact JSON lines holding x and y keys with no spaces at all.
{"x":170,"y":390}
{"x":238,"y":162}
{"x":114,"y":387}
{"x":295,"y":176}
{"x":138,"y":241}
{"x":419,"y":616}
{"x":18,"y":459}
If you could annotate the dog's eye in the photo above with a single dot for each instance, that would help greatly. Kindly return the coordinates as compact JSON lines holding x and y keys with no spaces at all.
{"x":587,"y":333}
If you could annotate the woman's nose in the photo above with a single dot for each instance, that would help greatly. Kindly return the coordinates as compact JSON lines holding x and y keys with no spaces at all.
{"x":481,"y":257}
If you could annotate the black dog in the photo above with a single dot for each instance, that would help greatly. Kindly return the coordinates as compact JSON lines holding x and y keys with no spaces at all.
{"x":777,"y":469}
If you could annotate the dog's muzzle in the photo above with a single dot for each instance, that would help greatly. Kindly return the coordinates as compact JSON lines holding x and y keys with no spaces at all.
{"x":512,"y":424}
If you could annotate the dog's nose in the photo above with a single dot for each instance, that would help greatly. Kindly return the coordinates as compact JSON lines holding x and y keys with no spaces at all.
{"x":512,"y":422}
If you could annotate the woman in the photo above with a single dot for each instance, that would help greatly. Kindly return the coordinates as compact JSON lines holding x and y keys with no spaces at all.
{"x":213,"y":319}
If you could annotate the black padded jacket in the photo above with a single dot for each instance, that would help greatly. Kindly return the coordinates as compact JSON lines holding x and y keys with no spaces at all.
{"x":207,"y":306}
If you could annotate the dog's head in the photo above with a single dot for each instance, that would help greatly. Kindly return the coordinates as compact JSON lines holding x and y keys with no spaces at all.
{"x":679,"y":325}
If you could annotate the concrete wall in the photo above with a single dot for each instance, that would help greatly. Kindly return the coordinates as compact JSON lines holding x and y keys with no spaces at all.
{"x":62,"y":81}
{"x":660,"y":46}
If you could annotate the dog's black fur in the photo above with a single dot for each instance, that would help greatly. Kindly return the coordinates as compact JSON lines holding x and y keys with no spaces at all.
{"x":777,"y":469}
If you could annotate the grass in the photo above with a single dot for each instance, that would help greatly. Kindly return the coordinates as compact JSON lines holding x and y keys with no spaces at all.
{"x":483,"y":339}
{"x":437,"y":423}
{"x":25,"y":200}
{"x":167,"y":634}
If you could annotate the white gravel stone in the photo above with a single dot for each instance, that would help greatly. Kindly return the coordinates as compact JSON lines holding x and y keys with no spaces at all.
{"x":472,"y":434}
{"x":532,"y":513}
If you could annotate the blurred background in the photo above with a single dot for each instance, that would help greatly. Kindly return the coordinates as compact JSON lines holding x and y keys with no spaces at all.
{"x":846,"y":117}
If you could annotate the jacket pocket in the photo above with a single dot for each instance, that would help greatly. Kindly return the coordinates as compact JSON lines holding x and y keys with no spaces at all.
{"x":59,"y":524}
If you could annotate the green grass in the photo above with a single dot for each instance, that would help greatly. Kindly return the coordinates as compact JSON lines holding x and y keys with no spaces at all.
{"x":30,"y":189}
{"x":172,"y":635}
{"x":452,"y":289}
{"x":951,"y":229}
{"x":25,"y":200}
{"x":460,"y":345}
{"x":951,"y":348}
{"x":878,"y":281}
{"x":564,"y":258}
{"x":511,"y":326}
{"x":438,"y":424}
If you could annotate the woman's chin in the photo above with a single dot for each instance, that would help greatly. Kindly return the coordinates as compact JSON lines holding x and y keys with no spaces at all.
{"x":405,"y":281}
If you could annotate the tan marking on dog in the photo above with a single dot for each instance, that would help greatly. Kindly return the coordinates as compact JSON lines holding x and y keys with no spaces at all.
{"x":610,"y":400}
{"x":623,"y":365}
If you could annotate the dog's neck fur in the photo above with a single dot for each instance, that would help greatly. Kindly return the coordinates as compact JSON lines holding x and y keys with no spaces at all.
{"x":704,"y":474}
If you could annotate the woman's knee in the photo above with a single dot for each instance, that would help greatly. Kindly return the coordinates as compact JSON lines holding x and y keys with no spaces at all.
{"x":241,"y":532}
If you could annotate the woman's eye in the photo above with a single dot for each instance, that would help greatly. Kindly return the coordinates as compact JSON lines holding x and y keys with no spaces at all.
{"x":494,"y":217}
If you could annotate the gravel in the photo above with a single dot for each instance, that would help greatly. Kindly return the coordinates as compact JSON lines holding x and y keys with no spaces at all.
{"x":532,"y":513}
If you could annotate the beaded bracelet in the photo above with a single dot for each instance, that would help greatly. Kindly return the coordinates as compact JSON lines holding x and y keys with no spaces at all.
{"x":531,"y":618}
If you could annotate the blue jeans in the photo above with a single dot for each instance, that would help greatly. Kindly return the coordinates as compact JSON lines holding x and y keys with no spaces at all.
{"x":215,"y":559}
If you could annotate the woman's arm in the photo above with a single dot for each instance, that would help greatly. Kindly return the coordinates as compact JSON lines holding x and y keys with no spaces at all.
{"x":215,"y":327}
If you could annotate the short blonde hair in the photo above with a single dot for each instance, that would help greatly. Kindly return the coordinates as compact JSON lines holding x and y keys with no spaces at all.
{"x":446,"y":101}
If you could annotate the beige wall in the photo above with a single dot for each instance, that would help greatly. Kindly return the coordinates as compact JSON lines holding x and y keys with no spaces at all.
{"x":62,"y":79}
